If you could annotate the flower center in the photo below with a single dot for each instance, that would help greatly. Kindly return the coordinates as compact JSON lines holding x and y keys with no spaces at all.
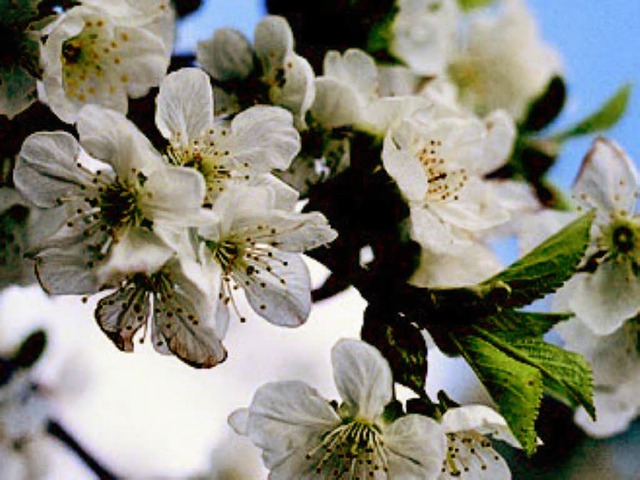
{"x":443,"y":183}
{"x":210,"y":157}
{"x":468,"y":453}
{"x":119,"y":206}
{"x":621,"y":239}
{"x":353,"y":451}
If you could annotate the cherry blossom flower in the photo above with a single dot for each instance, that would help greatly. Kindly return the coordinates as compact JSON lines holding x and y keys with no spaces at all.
{"x":469,"y":451}
{"x":257,"y":140}
{"x":103,"y":53}
{"x":438,"y":157}
{"x":256,"y":245}
{"x":124,"y":205}
{"x":608,"y":181}
{"x":304,"y":437}
{"x":278,"y":77}
{"x":503,"y":62}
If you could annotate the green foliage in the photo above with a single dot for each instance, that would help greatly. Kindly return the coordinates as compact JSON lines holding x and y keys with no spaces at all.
{"x":516,"y":387}
{"x":516,"y":366}
{"x":547,"y":267}
{"x":604,"y":118}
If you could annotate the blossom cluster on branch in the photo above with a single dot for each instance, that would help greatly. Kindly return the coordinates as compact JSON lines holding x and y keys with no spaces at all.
{"x":395,"y":154}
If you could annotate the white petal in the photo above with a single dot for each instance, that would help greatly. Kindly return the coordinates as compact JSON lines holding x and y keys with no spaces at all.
{"x":137,"y":251}
{"x":289,"y":232}
{"x":122,"y":314}
{"x":405,"y":170}
{"x":183,"y":323}
{"x":335,"y":104}
{"x":264,"y":138}
{"x":227,"y":55}
{"x":65,"y":272}
{"x":111,"y":137}
{"x":363,"y":377}
{"x":174,"y":195}
{"x":476,"y":208}
{"x":501,"y":133}
{"x":355,"y":68}
{"x":47,"y":170}
{"x":285,"y":416}
{"x":606,"y":298}
{"x":417,"y":447}
{"x":273,"y":40}
{"x":428,"y":229}
{"x":239,"y":421}
{"x":298,"y":91}
{"x":608,"y":180}
{"x":278,"y":288}
{"x":479,"y":418}
{"x":184,"y":105}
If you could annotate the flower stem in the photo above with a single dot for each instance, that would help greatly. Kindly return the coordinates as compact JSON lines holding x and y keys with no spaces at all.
{"x":56,"y":430}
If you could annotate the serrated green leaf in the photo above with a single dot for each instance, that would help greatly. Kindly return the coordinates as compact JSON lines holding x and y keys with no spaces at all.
{"x":566,"y":375}
{"x":471,"y":4}
{"x":522,"y":324}
{"x":547,"y":267}
{"x":604,"y":118}
{"x":516,"y":387}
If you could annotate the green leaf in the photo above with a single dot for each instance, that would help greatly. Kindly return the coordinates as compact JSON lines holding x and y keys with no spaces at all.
{"x":523,"y":324}
{"x":516,"y":387}
{"x":567,"y":375}
{"x":401,"y":343}
{"x":471,"y":4}
{"x":604,"y":118}
{"x":547,"y":267}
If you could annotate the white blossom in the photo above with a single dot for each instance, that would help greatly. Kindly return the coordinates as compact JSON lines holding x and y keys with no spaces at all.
{"x":438,"y":160}
{"x":610,"y":294}
{"x":257,"y":140}
{"x":502,"y":62}
{"x":102,"y":53}
{"x":125,"y":206}
{"x":304,"y":437}
{"x":469,"y":451}
{"x":279,"y":77}
{"x":256,"y":245}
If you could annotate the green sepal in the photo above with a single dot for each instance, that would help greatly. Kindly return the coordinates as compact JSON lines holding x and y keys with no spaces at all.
{"x":545,"y":269}
{"x":604,"y":118}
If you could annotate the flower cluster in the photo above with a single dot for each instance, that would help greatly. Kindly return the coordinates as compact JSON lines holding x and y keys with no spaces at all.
{"x":174,"y":234}
{"x":302,"y":435}
{"x":396,"y":164}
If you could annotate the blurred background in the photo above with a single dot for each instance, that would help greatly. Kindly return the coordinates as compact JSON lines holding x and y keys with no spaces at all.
{"x":152,"y":417}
